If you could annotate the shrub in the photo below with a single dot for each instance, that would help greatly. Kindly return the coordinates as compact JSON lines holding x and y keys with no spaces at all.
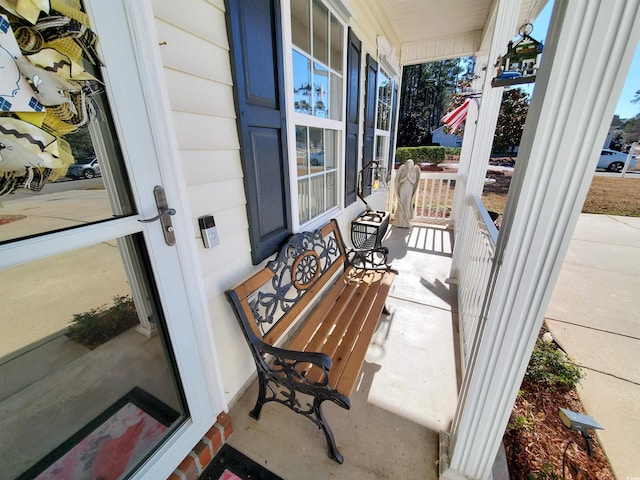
{"x":403,"y":154}
{"x":453,"y":150}
{"x":551,"y":369}
{"x":99,"y":325}
{"x":519,"y":422}
{"x":431,"y":154}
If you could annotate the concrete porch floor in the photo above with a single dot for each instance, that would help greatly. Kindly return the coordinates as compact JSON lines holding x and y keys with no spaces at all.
{"x":408,"y":389}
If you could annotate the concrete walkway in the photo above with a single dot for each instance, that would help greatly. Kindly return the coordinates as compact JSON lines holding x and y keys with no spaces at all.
{"x":594,"y":315}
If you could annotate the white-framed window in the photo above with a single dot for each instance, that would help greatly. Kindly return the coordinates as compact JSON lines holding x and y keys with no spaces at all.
{"x":317,"y":60}
{"x":383,"y":117}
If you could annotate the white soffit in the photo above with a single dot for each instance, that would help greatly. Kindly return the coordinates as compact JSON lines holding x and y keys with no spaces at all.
{"x":435,"y":29}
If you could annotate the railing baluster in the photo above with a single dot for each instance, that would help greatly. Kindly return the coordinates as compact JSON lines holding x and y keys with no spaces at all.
{"x":475,"y":269}
{"x":434,"y":199}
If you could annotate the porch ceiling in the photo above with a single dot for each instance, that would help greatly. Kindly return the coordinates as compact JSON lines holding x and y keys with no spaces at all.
{"x":432,"y":29}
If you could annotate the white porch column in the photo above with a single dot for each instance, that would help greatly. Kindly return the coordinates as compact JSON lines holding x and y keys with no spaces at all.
{"x":585,"y":61}
{"x":482,"y":60}
{"x":480,"y":127}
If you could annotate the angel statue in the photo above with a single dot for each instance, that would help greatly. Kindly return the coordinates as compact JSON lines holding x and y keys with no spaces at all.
{"x":407,"y":181}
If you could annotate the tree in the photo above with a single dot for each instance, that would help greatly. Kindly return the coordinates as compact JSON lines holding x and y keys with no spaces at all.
{"x":513,"y":114}
{"x":636,"y":97}
{"x":81,"y":144}
{"x":631,"y":130}
{"x":426,"y":91}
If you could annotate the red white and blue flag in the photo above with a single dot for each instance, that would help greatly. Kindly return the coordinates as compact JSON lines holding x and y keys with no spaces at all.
{"x":454,"y":118}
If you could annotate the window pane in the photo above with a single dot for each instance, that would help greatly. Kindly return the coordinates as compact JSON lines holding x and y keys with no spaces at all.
{"x":382,"y":143}
{"x":316,"y":143}
{"x":300,"y":24}
{"x":301,"y":83}
{"x":317,"y":179}
{"x":320,"y":32}
{"x":335,"y":110}
{"x":331,"y":149}
{"x":79,"y":356}
{"x":303,"y":199}
{"x":317,"y":157}
{"x":321,"y":91}
{"x":383,"y":116}
{"x":302,"y":151}
{"x":336,"y":45}
{"x":384,"y":101}
{"x":74,"y":196}
{"x":332,"y":193}
{"x":316,"y":196}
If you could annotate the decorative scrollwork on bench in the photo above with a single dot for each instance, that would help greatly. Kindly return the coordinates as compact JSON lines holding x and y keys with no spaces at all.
{"x":296,"y":372}
{"x":296,"y":268}
{"x":305,"y":270}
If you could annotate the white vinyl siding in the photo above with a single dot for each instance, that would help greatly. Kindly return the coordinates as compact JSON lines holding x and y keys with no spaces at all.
{"x":195,"y":55}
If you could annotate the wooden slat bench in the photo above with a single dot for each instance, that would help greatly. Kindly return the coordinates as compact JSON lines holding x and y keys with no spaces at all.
{"x":319,"y":350}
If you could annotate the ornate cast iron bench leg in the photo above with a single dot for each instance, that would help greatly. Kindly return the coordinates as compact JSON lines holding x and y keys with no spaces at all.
{"x":334,"y":453}
{"x":313,"y":412}
{"x":262,"y":393}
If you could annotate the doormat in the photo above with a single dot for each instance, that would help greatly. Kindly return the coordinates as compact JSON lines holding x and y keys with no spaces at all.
{"x":230,"y":464}
{"x":111,"y":444}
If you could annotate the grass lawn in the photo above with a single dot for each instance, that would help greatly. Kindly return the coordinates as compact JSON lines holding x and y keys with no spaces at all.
{"x":607,"y":195}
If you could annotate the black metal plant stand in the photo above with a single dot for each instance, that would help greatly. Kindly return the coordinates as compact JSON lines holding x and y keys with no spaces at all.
{"x":369,"y":228}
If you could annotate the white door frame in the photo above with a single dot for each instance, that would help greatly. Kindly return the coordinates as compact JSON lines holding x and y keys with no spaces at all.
{"x":134,"y":42}
{"x":135,"y":86}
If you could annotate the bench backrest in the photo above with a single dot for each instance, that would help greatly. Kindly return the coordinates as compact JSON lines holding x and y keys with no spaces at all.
{"x":274,"y":297}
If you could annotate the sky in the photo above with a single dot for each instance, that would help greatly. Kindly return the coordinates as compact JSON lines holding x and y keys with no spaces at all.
{"x":625,"y":109}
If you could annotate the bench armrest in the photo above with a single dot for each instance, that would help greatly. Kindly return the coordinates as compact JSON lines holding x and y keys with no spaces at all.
{"x":321,"y":360}
{"x":294,"y":365}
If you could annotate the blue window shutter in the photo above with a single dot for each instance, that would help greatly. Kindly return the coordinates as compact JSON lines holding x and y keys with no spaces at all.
{"x":369,"y":121}
{"x":354,"y":57}
{"x":255,"y":38}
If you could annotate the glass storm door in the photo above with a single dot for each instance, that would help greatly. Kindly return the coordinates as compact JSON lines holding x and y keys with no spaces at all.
{"x":89,"y":349}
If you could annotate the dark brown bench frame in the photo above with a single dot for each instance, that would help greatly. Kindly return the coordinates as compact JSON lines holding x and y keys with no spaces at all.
{"x":323,"y":354}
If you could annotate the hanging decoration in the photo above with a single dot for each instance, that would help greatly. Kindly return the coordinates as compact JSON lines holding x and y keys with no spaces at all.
{"x":456,"y":117}
{"x":520,"y":64}
{"x":45,"y":91}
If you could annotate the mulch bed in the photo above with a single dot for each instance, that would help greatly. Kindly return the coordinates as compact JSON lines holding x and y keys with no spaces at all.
{"x":538,"y":447}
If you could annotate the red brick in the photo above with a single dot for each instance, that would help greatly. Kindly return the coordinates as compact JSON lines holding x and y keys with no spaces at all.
{"x":216,"y":438}
{"x":189,"y":468}
{"x":203,"y":452}
{"x":174,"y":476}
{"x":225,"y":421}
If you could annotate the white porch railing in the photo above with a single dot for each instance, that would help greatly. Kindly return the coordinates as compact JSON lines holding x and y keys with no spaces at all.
{"x":433,"y":204}
{"x":434,"y":198}
{"x":476,"y":262}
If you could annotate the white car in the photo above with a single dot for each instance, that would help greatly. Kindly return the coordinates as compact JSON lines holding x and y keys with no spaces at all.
{"x":87,"y":168}
{"x":614,"y":161}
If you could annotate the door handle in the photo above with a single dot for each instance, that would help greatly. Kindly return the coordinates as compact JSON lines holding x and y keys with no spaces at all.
{"x":168,"y":211}
{"x":164,"y":215}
